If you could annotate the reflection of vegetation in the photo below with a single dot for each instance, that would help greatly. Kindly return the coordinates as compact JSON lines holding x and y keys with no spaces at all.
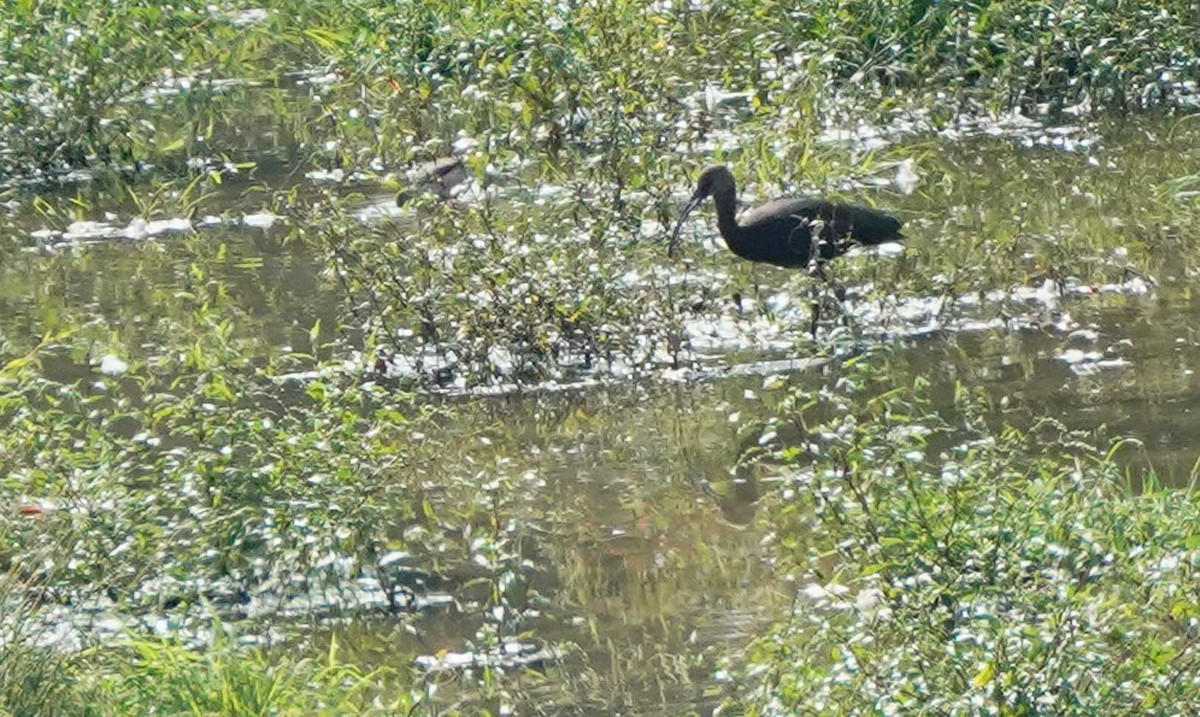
{"x":943,"y":564}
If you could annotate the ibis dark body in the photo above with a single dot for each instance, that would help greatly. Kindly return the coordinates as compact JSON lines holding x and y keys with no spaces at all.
{"x":781,"y":232}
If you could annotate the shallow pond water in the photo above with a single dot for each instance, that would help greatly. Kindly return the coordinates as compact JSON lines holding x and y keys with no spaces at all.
{"x":638,"y":523}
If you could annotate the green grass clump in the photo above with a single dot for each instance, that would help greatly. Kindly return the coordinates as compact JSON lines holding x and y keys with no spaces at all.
{"x":165,"y":678}
{"x":947,"y":566}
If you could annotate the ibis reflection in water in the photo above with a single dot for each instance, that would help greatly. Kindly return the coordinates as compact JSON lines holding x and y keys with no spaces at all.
{"x":790,"y":232}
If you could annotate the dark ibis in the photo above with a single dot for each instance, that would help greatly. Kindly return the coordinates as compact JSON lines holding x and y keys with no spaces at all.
{"x":438,"y":177}
{"x":780,"y":232}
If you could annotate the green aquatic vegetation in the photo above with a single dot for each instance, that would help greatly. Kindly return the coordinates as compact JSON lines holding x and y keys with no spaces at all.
{"x":1000,"y":54}
{"x":942,"y":562}
{"x":493,"y":295}
{"x":581,"y":78}
{"x":137,"y":82}
{"x":192,"y":472}
{"x":525,"y":285}
{"x":184,"y":439}
{"x":186,"y":486}
{"x":87,"y":83}
{"x":137,"y":677}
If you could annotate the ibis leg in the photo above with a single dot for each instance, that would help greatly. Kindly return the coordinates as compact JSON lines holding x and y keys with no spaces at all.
{"x":839,"y":293}
{"x":818,"y":272}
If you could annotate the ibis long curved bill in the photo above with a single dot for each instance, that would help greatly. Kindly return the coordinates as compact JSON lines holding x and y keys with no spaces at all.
{"x":695,"y":201}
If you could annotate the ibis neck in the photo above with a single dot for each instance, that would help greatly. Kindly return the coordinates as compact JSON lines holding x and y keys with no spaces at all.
{"x":726,"y":202}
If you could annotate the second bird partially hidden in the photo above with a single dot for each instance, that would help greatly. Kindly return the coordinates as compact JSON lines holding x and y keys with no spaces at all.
{"x":781,"y":232}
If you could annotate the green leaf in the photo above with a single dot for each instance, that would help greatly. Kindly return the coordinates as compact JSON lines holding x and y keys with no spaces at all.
{"x":984,"y":675}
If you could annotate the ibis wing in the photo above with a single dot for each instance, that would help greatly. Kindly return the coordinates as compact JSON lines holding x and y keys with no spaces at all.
{"x":865,"y":225}
{"x":778,"y":210}
{"x":862,"y":224}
